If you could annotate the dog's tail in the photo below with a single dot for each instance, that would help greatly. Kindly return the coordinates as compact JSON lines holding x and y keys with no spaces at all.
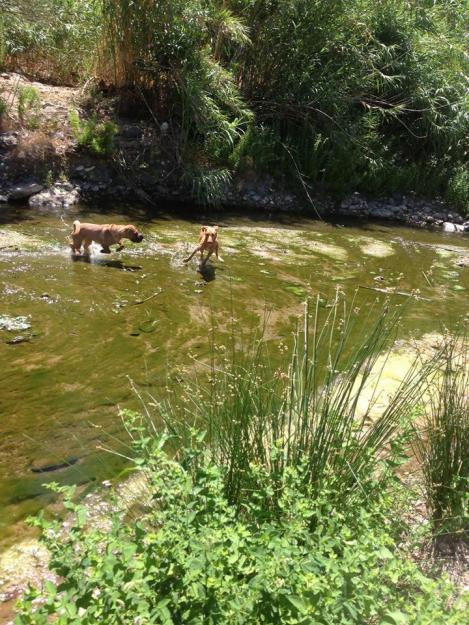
{"x":76,"y":227}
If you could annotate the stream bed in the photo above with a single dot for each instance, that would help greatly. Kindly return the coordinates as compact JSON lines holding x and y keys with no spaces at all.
{"x":76,"y":333}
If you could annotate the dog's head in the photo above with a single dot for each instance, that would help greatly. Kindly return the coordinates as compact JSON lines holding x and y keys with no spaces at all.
{"x":209,"y":233}
{"x":133,"y":234}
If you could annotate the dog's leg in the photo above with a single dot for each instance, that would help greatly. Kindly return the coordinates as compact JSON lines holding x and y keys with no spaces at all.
{"x":76,"y":244}
{"x":203,"y":261}
{"x":120,"y":246}
{"x":86,"y":246}
{"x":216,"y":253}
{"x":106,"y":249}
{"x":197,"y":249}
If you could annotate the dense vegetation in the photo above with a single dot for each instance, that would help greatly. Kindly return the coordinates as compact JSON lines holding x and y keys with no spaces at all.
{"x":331,"y":96}
{"x":271,"y":493}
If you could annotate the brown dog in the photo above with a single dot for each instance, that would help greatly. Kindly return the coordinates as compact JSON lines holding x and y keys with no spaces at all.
{"x":207,"y":241}
{"x":105,"y":234}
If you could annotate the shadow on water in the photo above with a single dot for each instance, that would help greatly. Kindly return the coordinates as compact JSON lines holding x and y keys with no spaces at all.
{"x":207,"y":272}
{"x":105,"y":262}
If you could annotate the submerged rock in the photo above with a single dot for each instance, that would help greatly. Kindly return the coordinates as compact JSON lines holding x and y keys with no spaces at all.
{"x":14,"y":240}
{"x":54,"y":466}
{"x":378,"y":249}
{"x":13,"y":324}
{"x":16,"y":340}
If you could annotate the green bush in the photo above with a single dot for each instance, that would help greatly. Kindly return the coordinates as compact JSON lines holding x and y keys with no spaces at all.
{"x":458,"y":189}
{"x":335,"y":96}
{"x":29,"y":104}
{"x":96,"y":136}
{"x":194,"y":558}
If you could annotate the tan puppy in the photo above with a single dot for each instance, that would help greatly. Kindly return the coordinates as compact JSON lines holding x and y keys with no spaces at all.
{"x":105,"y":234}
{"x":207,"y":241}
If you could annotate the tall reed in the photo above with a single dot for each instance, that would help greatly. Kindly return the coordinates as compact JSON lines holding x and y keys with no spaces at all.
{"x":306,"y":408}
{"x":442,"y":443}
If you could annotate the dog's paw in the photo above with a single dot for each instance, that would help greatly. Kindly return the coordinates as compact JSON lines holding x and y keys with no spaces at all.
{"x":105,"y":250}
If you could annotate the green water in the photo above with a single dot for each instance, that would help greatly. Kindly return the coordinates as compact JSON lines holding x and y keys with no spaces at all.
{"x":62,"y":387}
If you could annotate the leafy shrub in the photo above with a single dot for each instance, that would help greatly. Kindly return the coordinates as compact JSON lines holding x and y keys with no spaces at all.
{"x":193,"y":557}
{"x":29,"y":104}
{"x":96,"y":136}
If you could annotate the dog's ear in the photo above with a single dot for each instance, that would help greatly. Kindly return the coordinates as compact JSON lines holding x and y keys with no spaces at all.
{"x":203,"y":228}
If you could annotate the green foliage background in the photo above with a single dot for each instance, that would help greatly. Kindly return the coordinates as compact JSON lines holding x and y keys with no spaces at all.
{"x":345,"y":95}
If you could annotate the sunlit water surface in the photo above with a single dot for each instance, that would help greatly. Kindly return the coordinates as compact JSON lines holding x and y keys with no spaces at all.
{"x":66,"y":376}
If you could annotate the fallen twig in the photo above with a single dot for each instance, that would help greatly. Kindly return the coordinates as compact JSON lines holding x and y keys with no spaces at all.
{"x":142,"y":301}
{"x":403,"y":293}
{"x":427,"y":279}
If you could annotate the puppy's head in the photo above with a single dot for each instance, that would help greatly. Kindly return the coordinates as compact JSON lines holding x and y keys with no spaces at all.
{"x":133,"y":234}
{"x":209,"y":233}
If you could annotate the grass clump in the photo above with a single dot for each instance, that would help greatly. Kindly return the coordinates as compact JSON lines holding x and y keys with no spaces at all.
{"x":29,"y":105}
{"x":98,"y":137}
{"x":3,"y":107}
{"x":318,"y":405}
{"x":442,"y":445}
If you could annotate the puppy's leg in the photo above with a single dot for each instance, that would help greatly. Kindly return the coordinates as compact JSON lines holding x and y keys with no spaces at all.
{"x":76,"y":244}
{"x":86,"y":246}
{"x":106,"y":249}
{"x":120,"y":246}
{"x":216,"y":253}
{"x":204,"y":260}
{"x":197,"y":249}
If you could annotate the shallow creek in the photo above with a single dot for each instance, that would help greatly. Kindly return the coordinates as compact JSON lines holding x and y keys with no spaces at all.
{"x":72,"y":336}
